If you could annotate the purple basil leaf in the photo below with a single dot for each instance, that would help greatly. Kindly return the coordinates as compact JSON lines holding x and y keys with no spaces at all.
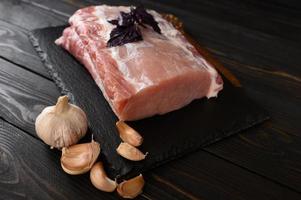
{"x":127,"y":19}
{"x":122,"y":35}
{"x":128,"y":30}
{"x":114,"y":21}
{"x":144,"y":17}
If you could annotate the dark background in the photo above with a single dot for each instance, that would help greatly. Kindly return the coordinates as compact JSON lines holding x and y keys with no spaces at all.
{"x":259,"y":41}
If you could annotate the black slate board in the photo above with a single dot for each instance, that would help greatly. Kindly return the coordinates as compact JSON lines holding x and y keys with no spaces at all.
{"x":166,"y":137}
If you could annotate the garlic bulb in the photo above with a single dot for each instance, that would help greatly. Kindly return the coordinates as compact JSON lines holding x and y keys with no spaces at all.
{"x":79,"y":158}
{"x":130,"y":152}
{"x":61,"y":125}
{"x":131,"y":188}
{"x":128,"y":134}
{"x":100,"y":179}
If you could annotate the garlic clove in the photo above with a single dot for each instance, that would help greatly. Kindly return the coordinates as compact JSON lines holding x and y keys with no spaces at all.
{"x":131,"y":188}
{"x":79,"y":158}
{"x":128,"y":134}
{"x":100,"y":179}
{"x":61,"y":125}
{"x":130,"y":152}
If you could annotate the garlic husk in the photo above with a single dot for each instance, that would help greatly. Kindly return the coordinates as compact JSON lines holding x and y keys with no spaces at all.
{"x":130,"y":152}
{"x":79,"y":158}
{"x":131,"y":188}
{"x":128,"y":134}
{"x":61,"y":125}
{"x":100,"y":180}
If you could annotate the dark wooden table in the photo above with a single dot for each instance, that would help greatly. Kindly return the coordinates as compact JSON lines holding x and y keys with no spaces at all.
{"x":259,"y":41}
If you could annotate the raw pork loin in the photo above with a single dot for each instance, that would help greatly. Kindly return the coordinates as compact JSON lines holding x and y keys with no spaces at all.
{"x":162,"y":73}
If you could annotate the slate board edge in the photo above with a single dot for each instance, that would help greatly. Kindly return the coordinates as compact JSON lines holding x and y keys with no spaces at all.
{"x":48,"y":65}
{"x":196,"y":146}
{"x":35,"y":42}
{"x":57,"y":80}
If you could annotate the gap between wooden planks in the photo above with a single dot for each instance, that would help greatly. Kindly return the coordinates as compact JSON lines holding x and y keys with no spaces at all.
{"x":29,"y":161}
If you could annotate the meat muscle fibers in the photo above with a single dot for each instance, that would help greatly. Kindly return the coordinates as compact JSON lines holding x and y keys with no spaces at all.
{"x":161,"y":73}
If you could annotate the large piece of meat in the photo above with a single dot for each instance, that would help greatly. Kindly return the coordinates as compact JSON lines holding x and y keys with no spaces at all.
{"x":160,"y":74}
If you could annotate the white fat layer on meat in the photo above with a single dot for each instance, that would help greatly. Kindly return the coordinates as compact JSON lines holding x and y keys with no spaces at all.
{"x":105,"y":13}
{"x":76,"y":20}
{"x":88,"y":59}
{"x":132,"y":49}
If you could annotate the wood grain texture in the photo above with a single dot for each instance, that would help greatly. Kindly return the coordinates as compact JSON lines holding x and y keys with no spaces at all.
{"x":23,"y":95}
{"x":199,"y":176}
{"x":261,"y":57}
{"x":237,"y":40}
{"x":26,"y":161}
{"x":273,"y":81}
{"x":16,"y":47}
{"x":248,"y":46}
{"x":30,"y":170}
{"x":27,"y":15}
{"x":265,"y":147}
{"x":28,"y":82}
{"x":198,"y":124}
{"x":60,"y":7}
{"x":230,"y":41}
{"x":263,"y":17}
{"x":277,"y":91}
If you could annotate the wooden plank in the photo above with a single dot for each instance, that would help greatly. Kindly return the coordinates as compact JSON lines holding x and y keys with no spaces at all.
{"x":30,"y":169}
{"x":250,"y":80}
{"x":28,"y":16}
{"x":199,"y":176}
{"x":23,"y":95}
{"x":270,"y":152}
{"x":228,"y":118}
{"x":60,"y":7}
{"x":276,"y":91}
{"x":242,"y":54}
{"x":279,"y":5}
{"x":269,"y":18}
{"x":254,"y":48}
{"x":238,"y":42}
{"x":273,"y":149}
{"x":21,"y":101}
{"x":268,"y":168}
{"x":15,"y":46}
{"x":260,"y":51}
{"x":29,"y":100}
{"x":230,"y":43}
{"x":243,"y":44}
